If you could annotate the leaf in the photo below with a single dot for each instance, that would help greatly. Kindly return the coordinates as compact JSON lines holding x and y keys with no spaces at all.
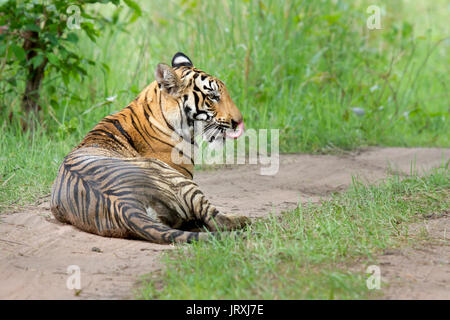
{"x":90,"y":30}
{"x":81,"y":71}
{"x":37,"y":61}
{"x":105,"y":67}
{"x":133,"y":5}
{"x":18,"y":51}
{"x":32,"y":27}
{"x":89,"y":62}
{"x":51,"y":38}
{"x":115,"y":2}
{"x":53,"y":59}
{"x":137,"y":12}
{"x":72,"y":37}
{"x":133,"y":18}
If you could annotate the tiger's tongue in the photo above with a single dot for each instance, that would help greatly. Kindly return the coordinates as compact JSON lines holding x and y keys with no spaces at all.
{"x":234,"y":134}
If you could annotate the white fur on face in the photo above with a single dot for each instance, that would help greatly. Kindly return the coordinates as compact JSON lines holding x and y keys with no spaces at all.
{"x":201,"y":116}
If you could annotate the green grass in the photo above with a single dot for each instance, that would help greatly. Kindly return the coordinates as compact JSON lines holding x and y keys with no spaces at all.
{"x":306,"y":253}
{"x":297,"y":66}
{"x":28,"y":164}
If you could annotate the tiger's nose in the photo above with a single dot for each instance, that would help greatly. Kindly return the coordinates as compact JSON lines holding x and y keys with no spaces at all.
{"x":236,"y":120}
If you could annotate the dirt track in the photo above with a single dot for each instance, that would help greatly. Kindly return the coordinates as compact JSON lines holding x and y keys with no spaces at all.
{"x":35,"y":250}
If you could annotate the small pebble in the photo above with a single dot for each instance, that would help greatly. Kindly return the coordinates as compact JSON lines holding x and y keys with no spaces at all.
{"x":95,"y":249}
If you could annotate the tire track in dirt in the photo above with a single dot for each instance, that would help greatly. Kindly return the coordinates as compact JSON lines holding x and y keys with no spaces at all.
{"x":35,"y":250}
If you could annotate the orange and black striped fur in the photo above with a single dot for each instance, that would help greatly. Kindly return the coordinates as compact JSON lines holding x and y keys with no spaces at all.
{"x":120,"y":181}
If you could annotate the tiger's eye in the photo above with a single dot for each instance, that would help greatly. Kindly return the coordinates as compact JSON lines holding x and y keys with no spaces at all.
{"x":215,"y":97}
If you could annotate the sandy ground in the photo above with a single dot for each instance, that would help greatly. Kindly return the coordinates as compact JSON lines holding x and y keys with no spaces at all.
{"x":420,"y":270}
{"x":36,"y":251}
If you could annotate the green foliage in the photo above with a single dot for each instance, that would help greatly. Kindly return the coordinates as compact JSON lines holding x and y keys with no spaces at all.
{"x":44,"y":34}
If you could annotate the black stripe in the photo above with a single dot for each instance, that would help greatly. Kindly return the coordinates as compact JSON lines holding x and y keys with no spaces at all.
{"x":193,"y":195}
{"x":96,"y":132}
{"x":197,"y":100}
{"x":192,"y":236}
{"x":186,"y":170}
{"x":119,"y":127}
{"x":135,"y":125}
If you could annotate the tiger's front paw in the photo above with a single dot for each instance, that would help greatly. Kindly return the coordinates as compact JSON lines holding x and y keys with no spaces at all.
{"x":231,"y":221}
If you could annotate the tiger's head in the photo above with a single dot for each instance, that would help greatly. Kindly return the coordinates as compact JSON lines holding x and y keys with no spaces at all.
{"x":200,"y":99}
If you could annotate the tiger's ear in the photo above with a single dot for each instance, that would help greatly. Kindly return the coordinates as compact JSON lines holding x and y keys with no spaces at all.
{"x":180,"y":59}
{"x":167,"y":79}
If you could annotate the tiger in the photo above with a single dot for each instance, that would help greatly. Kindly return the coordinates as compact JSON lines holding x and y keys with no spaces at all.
{"x":121,"y":180}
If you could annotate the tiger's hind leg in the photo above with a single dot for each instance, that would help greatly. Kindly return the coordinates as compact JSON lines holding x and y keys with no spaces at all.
{"x":203,"y":210}
{"x":152,"y":223}
{"x":186,"y":201}
{"x":140,"y":225}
